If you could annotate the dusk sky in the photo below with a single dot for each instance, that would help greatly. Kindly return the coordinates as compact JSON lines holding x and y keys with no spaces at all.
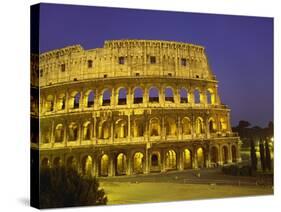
{"x":239,"y":48}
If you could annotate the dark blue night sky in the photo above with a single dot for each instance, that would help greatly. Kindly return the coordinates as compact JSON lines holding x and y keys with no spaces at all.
{"x":239,"y":48}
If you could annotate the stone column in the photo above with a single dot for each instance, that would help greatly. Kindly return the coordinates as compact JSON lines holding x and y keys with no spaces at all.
{"x":129,"y":164}
{"x":129,"y":127}
{"x":65,"y":127}
{"x":52,"y":139}
{"x":220,"y":162}
{"x":194,"y":161}
{"x":111,"y":131}
{"x":229,"y":154}
{"x":162,"y":161}
{"x":180,"y":165}
{"x":111,"y":165}
{"x":147,"y":162}
{"x":162,"y":131}
{"x":179,"y":129}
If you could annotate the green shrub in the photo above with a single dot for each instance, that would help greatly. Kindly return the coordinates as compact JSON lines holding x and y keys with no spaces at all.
{"x":61,"y":187}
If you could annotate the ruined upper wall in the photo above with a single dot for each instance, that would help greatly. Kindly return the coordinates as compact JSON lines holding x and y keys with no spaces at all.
{"x":125,"y":58}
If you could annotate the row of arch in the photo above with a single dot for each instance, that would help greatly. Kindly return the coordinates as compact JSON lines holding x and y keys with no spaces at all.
{"x":75,"y":99}
{"x":122,"y":164}
{"x":120,"y":128}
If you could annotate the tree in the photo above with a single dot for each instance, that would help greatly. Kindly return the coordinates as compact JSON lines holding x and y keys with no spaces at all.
{"x":253,"y":156}
{"x":243,"y":124}
{"x":267,"y":156}
{"x":61,"y":187}
{"x":262,"y":158}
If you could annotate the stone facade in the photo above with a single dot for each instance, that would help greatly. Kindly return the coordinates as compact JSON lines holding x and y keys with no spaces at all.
{"x":131,"y":107}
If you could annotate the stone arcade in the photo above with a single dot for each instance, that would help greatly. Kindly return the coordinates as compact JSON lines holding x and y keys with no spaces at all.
{"x":131,"y":107}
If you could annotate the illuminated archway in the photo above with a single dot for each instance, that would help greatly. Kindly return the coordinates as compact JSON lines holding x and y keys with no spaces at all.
{"x":171,"y":127}
{"x":138,"y":164}
{"x":121,"y":129}
{"x":200,"y":157}
{"x":59,"y":133}
{"x":154,"y":127}
{"x":199,"y":126}
{"x":224,"y":154}
{"x":138,"y":128}
{"x":121,"y":165}
{"x":104,"y":130}
{"x":171,"y":160}
{"x":87,"y":131}
{"x":73,"y":132}
{"x":187,"y":159}
{"x":186,"y":126}
{"x":104,"y":165}
{"x":87,"y":165}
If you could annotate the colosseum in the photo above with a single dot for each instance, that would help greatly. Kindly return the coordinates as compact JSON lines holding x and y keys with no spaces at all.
{"x":132,"y":107}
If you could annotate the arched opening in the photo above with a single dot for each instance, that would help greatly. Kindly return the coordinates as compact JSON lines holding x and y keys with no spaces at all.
{"x":49,"y":103}
{"x":138,"y":96}
{"x":57,"y":162}
{"x":61,"y":102}
{"x":73,"y":132}
{"x":223,"y":125}
{"x":171,"y":160}
{"x":197,"y":96}
{"x":76,"y":99}
{"x":171,"y":127}
{"x":45,"y":163}
{"x":154,"y":161}
{"x":214,"y":155}
{"x":104,"y":165}
{"x":154,"y":127}
{"x":104,"y":130}
{"x":71,"y":163}
{"x":234,"y":154}
{"x":120,"y":129}
{"x":59,"y":133}
{"x":186,"y":126}
{"x":90,"y":99}
{"x":187,"y":159}
{"x":153,"y":95}
{"x":224,"y":154}
{"x":210,"y":96}
{"x":138,"y":164}
{"x":183,"y":96}
{"x":169,"y":95}
{"x":87,"y":165}
{"x":86,"y":131}
{"x":121,"y":165}
{"x":106,"y":97}
{"x":199,"y":126}
{"x":138,"y":128}
{"x":200,"y":158}
{"x":122,"y":96}
{"x":212,"y":126}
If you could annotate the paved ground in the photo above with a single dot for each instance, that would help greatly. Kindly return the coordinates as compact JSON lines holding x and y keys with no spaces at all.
{"x":128,"y":193}
{"x":187,"y":185}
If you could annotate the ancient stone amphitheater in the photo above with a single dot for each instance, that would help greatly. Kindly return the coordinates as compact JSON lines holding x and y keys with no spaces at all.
{"x":132,"y":107}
